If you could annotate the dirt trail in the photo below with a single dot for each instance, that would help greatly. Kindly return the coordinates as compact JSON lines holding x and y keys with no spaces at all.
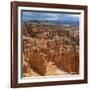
{"x":53,"y":70}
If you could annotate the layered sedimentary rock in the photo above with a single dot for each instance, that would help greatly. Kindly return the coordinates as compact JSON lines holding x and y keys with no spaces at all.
{"x":37,"y":62}
{"x":68,"y":61}
{"x":43,"y":44}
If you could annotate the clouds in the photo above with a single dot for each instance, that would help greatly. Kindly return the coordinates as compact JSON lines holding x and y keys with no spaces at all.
{"x":39,"y":16}
{"x":29,"y":15}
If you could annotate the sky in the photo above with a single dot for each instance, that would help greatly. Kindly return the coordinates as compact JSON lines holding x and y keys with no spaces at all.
{"x":30,"y":15}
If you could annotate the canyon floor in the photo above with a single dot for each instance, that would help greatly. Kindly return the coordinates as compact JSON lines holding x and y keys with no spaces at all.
{"x":52,"y":69}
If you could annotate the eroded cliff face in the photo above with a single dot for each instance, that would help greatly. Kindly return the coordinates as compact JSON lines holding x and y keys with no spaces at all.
{"x":50,"y":49}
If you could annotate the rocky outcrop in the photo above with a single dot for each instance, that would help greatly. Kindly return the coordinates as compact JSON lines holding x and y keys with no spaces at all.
{"x":43,"y":44}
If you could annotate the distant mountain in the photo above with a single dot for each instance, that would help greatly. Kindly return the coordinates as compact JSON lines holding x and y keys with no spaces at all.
{"x":57,"y":22}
